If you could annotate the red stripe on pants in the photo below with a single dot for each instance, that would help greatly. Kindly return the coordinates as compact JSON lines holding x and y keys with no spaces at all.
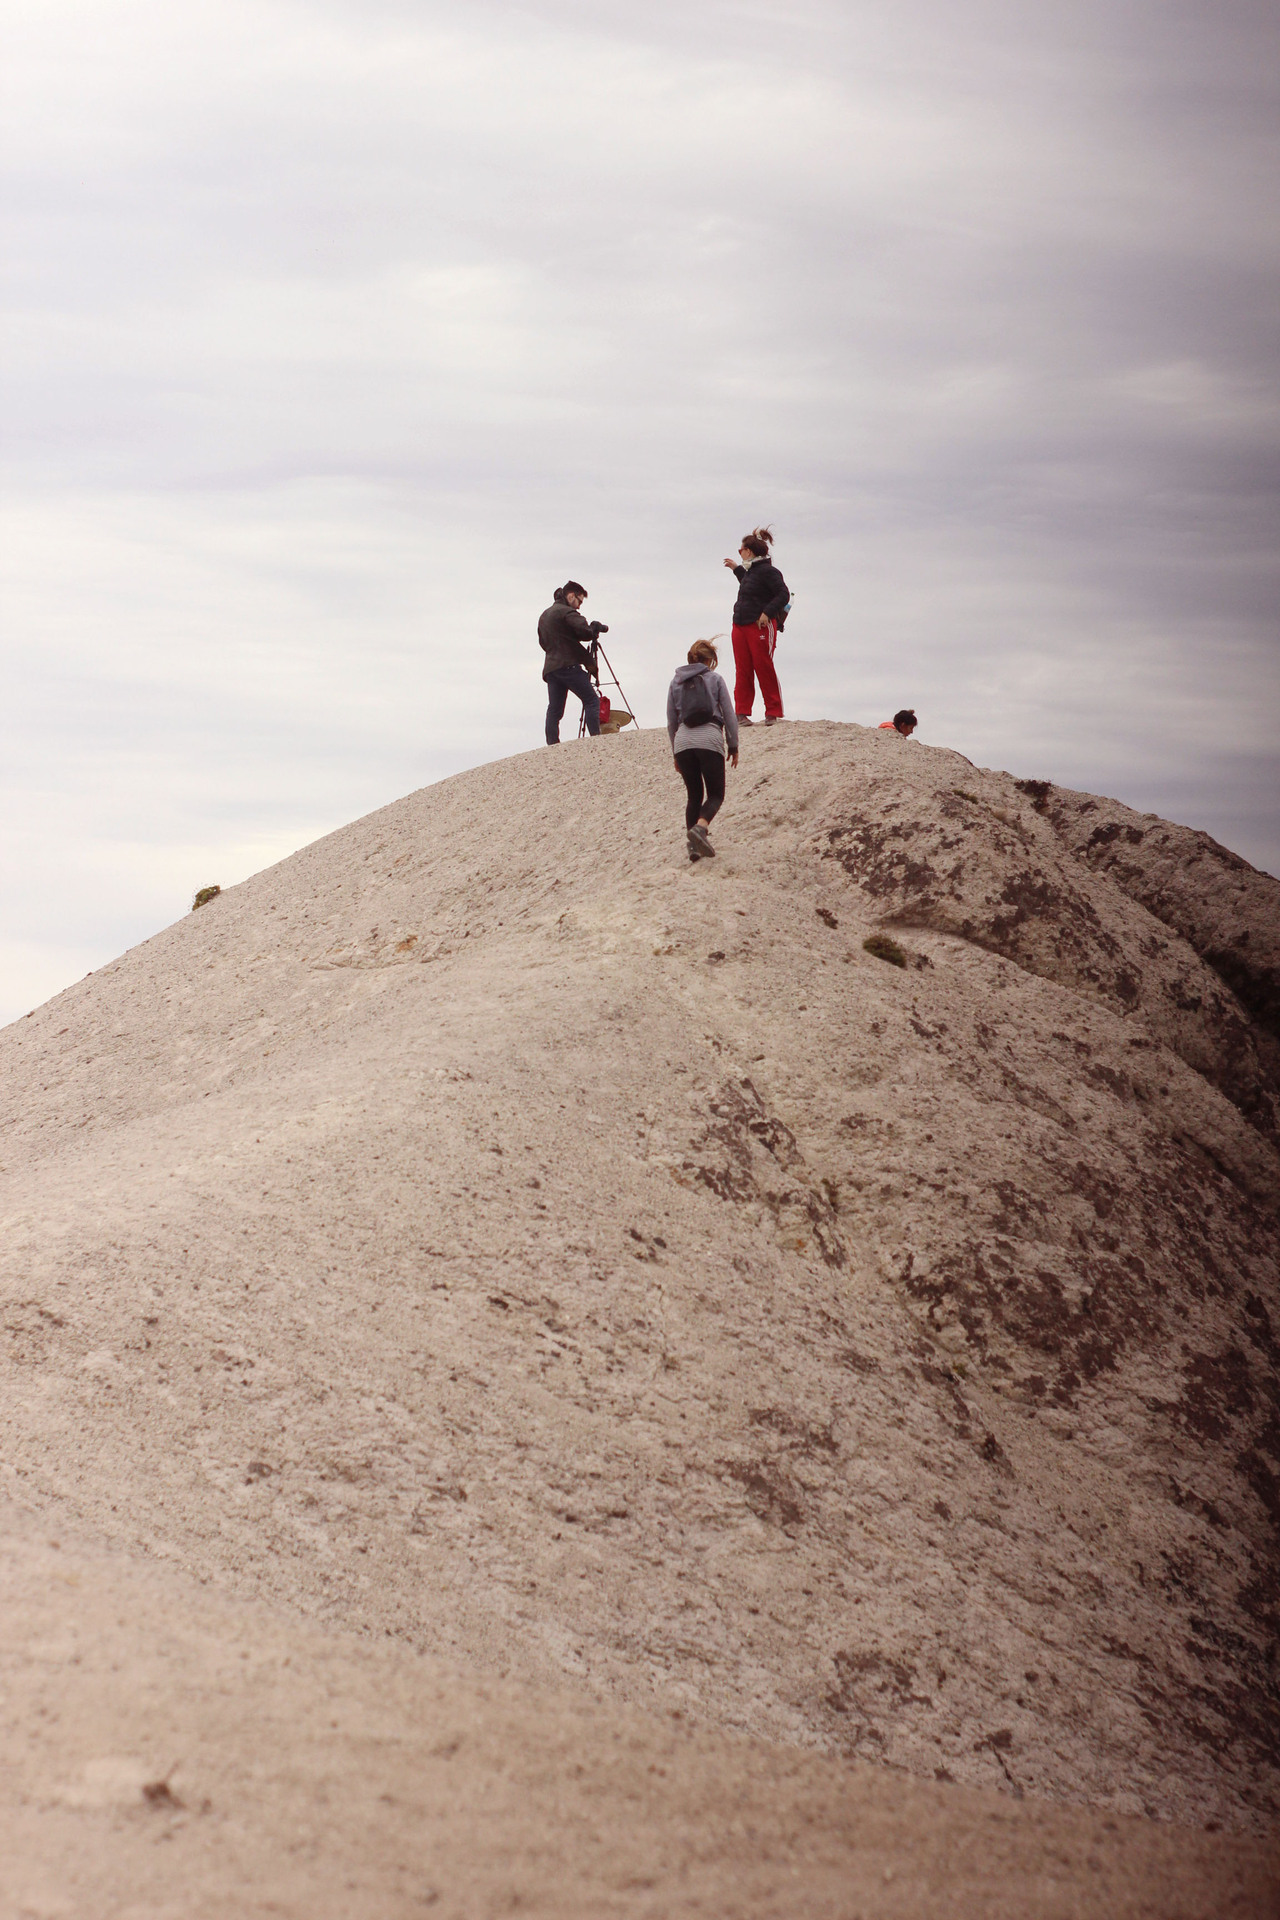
{"x":753,"y":657}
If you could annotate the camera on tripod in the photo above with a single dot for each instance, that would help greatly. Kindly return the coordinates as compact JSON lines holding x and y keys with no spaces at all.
{"x":612,"y":718}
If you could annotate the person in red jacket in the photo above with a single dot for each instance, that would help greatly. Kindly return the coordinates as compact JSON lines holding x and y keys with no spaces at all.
{"x":903,"y":722}
{"x":758,"y":614}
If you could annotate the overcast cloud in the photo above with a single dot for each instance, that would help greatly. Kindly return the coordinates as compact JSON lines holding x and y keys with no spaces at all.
{"x":338,"y":334}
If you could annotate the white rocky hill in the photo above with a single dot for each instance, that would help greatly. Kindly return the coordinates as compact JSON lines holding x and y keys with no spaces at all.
{"x":488,"y":1230}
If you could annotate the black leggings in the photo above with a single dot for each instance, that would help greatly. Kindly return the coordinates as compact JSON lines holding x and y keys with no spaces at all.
{"x":702,"y":770}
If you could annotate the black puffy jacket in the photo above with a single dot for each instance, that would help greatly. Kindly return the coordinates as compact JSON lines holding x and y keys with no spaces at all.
{"x":564,"y":637}
{"x":761,"y":589}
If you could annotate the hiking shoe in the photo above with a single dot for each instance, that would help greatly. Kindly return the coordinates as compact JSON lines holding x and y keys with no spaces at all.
{"x":744,"y":720}
{"x":700,"y":843}
{"x":772,"y":719}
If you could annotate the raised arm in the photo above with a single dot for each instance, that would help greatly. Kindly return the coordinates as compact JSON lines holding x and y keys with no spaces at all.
{"x":577,"y":626}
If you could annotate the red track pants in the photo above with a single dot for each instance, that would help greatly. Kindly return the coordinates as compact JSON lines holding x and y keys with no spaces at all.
{"x":753,"y":657}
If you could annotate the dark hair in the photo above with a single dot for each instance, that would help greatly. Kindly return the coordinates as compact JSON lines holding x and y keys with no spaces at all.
{"x":904,"y":717}
{"x":570,"y":586}
{"x":758,"y":541}
{"x":703,"y":654}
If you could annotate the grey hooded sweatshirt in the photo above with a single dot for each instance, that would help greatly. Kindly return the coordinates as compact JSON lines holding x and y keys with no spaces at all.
{"x":711,"y":738}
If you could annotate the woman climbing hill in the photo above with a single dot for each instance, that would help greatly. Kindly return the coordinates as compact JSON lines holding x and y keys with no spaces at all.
{"x":703,"y":729}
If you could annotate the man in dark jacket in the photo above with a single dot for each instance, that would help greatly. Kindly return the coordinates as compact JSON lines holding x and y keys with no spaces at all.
{"x":565,"y":637}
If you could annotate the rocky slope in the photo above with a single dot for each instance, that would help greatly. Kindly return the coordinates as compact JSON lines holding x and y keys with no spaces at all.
{"x":487,"y":1229}
{"x":214,"y":1759}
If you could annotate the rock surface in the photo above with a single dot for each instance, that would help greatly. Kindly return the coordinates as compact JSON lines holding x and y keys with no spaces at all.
{"x":217,"y":1761}
{"x":487,"y":1229}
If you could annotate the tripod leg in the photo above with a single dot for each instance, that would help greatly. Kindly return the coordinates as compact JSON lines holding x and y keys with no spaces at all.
{"x":617,"y":683}
{"x":594,"y":672}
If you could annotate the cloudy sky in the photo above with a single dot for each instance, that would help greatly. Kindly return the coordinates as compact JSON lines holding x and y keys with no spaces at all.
{"x":339,"y":332}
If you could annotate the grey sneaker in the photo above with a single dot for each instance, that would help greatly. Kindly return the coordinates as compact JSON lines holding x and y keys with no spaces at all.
{"x":700,"y":842}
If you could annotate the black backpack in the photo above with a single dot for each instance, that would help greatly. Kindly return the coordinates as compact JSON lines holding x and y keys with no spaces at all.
{"x":695,"y":702}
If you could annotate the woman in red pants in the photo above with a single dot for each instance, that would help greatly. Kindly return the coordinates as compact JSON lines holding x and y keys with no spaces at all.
{"x":761,"y":605}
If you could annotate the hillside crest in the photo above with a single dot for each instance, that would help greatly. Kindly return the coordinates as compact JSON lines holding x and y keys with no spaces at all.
{"x":488,"y":1229}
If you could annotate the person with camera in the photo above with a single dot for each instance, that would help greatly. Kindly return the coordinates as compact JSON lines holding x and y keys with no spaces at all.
{"x":703,"y":729}
{"x":566,"y":638}
{"x":759,"y":614}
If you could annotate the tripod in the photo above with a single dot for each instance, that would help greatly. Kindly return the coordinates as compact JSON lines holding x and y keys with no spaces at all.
{"x":598,"y":654}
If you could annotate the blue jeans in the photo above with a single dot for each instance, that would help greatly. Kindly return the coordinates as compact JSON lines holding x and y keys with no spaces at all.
{"x":561,"y":682}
